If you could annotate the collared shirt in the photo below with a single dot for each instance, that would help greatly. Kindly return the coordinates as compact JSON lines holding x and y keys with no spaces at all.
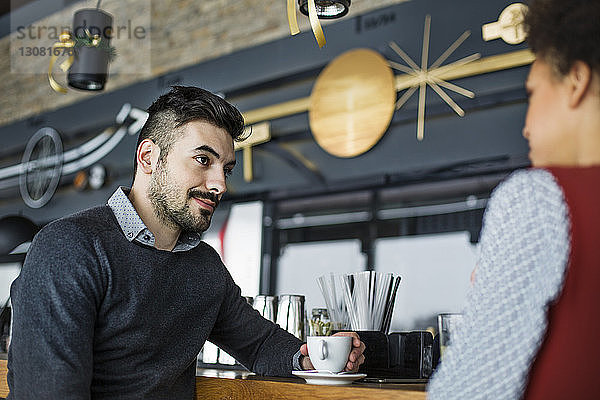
{"x":134,"y":228}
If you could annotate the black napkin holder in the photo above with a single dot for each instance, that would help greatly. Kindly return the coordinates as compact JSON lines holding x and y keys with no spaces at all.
{"x":398,"y":355}
{"x":377,"y":351}
{"x":411,"y":354}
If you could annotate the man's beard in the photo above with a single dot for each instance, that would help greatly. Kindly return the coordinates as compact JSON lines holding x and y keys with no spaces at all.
{"x":173,"y":208}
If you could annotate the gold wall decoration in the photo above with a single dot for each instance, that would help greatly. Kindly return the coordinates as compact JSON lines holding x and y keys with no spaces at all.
{"x":447,"y":72}
{"x":65,"y":46}
{"x":485,"y":65}
{"x":352,"y":103}
{"x":332,"y":107}
{"x":260,"y":133}
{"x":313,"y":18}
{"x":419,"y":77}
{"x":510,"y":26}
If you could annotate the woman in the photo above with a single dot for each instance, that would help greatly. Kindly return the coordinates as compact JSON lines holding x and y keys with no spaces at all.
{"x":532,"y":308}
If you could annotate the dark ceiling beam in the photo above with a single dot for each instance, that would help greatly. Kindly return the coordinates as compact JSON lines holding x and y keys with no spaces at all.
{"x":15,"y":13}
{"x":303,"y":166}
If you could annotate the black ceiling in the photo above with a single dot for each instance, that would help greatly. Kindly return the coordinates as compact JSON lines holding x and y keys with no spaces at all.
{"x":14,"y":13}
{"x":11,"y":5}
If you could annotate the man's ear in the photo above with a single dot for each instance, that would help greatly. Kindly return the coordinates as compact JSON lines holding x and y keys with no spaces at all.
{"x":147,"y":152}
{"x":579,"y":80}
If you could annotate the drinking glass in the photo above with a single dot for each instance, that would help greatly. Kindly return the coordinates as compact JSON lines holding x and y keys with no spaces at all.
{"x":447,"y":326}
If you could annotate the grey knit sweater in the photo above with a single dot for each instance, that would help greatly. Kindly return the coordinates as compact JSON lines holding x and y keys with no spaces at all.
{"x":97,"y":316}
{"x":523,"y":256}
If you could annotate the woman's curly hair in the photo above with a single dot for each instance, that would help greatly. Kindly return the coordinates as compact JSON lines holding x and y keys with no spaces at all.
{"x":564,"y":31}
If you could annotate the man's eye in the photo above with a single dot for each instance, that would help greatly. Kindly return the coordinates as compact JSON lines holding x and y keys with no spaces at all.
{"x":228,"y":172}
{"x":202,"y":160}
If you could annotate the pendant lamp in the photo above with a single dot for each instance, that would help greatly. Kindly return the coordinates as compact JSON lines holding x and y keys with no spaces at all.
{"x":90,"y":67}
{"x":316,"y":10}
{"x":327,"y":9}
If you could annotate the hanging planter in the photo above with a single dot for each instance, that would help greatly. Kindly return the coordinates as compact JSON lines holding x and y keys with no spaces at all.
{"x":89,"y":51}
{"x":315,"y":10}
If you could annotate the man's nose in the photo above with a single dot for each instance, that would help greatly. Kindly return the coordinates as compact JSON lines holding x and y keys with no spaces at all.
{"x":216,"y":183}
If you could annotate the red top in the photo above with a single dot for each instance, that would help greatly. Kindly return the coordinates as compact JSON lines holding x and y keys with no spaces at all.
{"x":568,"y":363}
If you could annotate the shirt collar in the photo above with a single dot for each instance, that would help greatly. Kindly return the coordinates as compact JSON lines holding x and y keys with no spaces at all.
{"x":134,"y":228}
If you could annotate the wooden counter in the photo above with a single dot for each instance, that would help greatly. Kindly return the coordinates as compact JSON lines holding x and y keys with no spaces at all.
{"x":3,"y":383}
{"x":237,"y":385}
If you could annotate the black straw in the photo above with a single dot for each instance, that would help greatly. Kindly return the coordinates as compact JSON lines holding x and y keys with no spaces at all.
{"x":98,"y":4}
{"x":388,"y":298}
{"x":390,"y":310}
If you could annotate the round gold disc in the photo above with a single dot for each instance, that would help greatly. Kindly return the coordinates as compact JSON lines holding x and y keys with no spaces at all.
{"x":352,"y":103}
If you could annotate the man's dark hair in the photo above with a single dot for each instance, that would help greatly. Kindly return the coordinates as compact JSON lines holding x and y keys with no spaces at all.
{"x":562,"y":32}
{"x":183,"y":104}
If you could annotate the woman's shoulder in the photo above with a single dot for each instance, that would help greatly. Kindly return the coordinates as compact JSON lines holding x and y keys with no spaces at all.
{"x":527,"y":219}
{"x":527,"y":190}
{"x":529,"y":180}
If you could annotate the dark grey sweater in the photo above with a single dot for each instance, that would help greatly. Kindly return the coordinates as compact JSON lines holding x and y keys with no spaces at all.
{"x":97,"y":316}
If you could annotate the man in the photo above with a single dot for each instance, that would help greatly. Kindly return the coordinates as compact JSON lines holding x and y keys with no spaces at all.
{"x":117,"y":301}
{"x":531,"y":314}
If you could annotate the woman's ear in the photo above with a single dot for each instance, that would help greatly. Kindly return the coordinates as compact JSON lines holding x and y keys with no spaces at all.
{"x":579,"y":80}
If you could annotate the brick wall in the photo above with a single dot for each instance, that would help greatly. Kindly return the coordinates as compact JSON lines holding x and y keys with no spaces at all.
{"x":182,"y":33}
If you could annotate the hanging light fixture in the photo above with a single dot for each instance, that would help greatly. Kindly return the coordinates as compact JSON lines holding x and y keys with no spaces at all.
{"x":89,"y":51}
{"x":93,"y":29}
{"x":315,"y":10}
{"x":327,"y":9}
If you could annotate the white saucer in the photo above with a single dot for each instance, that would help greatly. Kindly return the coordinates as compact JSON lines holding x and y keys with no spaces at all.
{"x":315,"y":377}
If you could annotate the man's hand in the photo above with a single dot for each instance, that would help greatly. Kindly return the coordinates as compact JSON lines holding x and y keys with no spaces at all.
{"x":355,"y":358}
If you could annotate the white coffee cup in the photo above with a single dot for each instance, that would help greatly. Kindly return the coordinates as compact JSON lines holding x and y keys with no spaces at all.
{"x":329,"y":353}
